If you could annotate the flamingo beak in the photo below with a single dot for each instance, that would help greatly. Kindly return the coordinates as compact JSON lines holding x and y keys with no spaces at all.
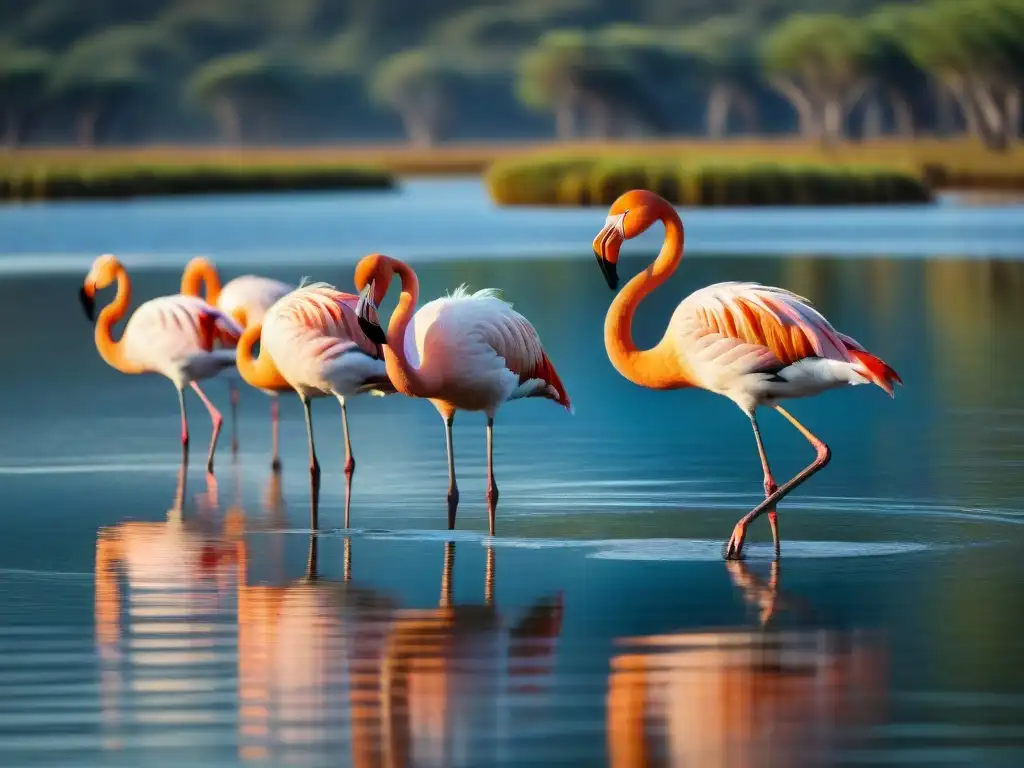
{"x":606,"y":251}
{"x":369,"y":320}
{"x":87,"y":297}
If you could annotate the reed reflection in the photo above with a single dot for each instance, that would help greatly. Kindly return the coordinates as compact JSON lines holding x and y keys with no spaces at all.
{"x":743,"y":698}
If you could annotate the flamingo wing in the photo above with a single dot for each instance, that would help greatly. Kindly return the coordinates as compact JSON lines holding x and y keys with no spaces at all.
{"x":172,"y":330}
{"x":483,"y":342}
{"x":313,"y":331}
{"x":252,"y":294}
{"x":747,"y":337}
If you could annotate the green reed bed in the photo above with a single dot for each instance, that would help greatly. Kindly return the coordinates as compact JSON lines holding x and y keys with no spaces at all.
{"x":582,"y":181}
{"x":25,"y":182}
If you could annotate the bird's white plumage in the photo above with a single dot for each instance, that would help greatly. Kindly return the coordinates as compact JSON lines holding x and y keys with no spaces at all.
{"x":758,"y":344}
{"x":166,"y":335}
{"x":253,"y":294}
{"x":482,"y":350}
{"x":314,"y":338}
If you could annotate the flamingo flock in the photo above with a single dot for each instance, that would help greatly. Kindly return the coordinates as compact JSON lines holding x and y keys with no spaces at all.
{"x":756,"y":345}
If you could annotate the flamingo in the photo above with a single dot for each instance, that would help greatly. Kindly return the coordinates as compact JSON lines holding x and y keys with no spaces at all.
{"x":752,"y":343}
{"x":463,"y":352}
{"x":246,"y":299}
{"x":170,"y":335}
{"x":319,"y":349}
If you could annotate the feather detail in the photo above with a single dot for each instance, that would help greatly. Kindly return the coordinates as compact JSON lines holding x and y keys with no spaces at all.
{"x":876,"y":370}
{"x":463,"y":293}
{"x":545,"y":371}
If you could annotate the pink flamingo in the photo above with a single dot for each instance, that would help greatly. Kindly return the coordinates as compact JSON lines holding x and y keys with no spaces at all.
{"x":752,"y":343}
{"x":316,"y":345}
{"x":246,"y":299}
{"x":463,"y":352}
{"x":170,"y":335}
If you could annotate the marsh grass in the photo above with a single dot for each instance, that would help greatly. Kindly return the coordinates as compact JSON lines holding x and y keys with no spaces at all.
{"x":948,"y":164}
{"x":86,"y":181}
{"x":551,"y":181}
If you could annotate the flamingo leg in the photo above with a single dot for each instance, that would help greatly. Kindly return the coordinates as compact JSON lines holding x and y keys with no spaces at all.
{"x":350,"y":463}
{"x":184,"y":428}
{"x":769,"y":485}
{"x":314,"y":469}
{"x":233,"y":389}
{"x":453,"y":488}
{"x":275,"y":428}
{"x":734,"y":549}
{"x":492,"y":487}
{"x":218,"y":422}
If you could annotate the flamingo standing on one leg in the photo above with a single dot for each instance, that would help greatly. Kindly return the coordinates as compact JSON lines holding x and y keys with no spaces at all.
{"x":754,"y":344}
{"x":246,"y":299}
{"x":170,"y":335}
{"x":317,"y":346}
{"x":463,"y":352}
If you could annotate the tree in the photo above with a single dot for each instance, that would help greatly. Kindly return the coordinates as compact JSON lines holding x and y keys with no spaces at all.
{"x":23,"y":73}
{"x":103,"y":70}
{"x":977,"y":54}
{"x":588,"y":84}
{"x":243,"y":89}
{"x":818,"y":62}
{"x":897,"y":80}
{"x":417,"y":84}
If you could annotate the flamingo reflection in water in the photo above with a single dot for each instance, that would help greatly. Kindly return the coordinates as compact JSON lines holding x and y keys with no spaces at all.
{"x":417,"y":681}
{"x":162,"y":595}
{"x":743,"y":698}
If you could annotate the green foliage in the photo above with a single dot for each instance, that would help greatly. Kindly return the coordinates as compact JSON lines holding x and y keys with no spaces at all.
{"x":255,"y":75}
{"x":819,"y":48}
{"x":581,"y":181}
{"x":408,"y":74}
{"x":133,"y":180}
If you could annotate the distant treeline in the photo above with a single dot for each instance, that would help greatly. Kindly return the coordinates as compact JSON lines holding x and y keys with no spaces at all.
{"x":296,"y":71}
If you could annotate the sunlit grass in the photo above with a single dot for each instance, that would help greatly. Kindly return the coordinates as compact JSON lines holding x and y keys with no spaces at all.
{"x":960,"y":163}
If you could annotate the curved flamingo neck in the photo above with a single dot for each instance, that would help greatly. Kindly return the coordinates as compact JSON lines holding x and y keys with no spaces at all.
{"x":199,"y":277}
{"x":658,"y":367}
{"x":111,"y":351}
{"x":259,"y":372}
{"x":406,"y":377}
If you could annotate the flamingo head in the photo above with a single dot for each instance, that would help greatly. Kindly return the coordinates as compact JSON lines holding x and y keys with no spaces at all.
{"x":372,"y":279}
{"x":104,"y":271}
{"x":630,"y":216}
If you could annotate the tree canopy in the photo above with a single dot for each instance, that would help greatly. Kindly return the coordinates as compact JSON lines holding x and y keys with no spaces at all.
{"x":301,"y":70}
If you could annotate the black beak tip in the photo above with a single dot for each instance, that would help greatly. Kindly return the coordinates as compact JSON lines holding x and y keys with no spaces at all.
{"x":373,"y":332}
{"x":609,"y":270}
{"x":88,"y":304}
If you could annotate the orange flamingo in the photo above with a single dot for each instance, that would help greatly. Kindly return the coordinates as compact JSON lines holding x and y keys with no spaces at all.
{"x":752,"y":343}
{"x":317,"y":346}
{"x":169,"y":335}
{"x":463,"y":352}
{"x":246,"y":299}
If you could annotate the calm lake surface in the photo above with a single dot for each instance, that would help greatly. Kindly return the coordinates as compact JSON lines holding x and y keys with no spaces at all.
{"x":145,"y":625}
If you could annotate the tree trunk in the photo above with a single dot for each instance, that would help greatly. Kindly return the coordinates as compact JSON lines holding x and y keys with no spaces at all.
{"x":225,"y":112}
{"x":565,"y":119}
{"x":993,"y":117}
{"x":903,"y":115}
{"x":967,"y":107}
{"x":832,"y":122}
{"x":871,"y":123}
{"x":749,"y":115}
{"x":1012,"y":105}
{"x":810,"y":127}
{"x":717,"y":115}
{"x":85,"y":126}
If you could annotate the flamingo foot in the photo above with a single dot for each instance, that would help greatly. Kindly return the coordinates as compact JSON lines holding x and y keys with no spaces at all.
{"x":734,"y":549}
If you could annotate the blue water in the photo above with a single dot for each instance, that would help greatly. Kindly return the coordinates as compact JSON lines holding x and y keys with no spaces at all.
{"x":145,"y":624}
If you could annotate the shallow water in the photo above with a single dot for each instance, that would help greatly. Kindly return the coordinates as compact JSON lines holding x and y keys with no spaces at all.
{"x":140,"y":622}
